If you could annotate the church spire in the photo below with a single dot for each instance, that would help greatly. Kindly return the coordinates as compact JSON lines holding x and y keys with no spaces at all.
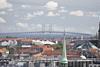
{"x":99,"y":35}
{"x":64,"y":60}
{"x":99,"y":31}
{"x":99,"y":27}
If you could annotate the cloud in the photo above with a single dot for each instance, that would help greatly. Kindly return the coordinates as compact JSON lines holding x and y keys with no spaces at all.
{"x":77,"y":13}
{"x":23,"y":25}
{"x":2,"y":12}
{"x":39,"y":25}
{"x":36,"y":27}
{"x":92,"y":14}
{"x":4,"y":4}
{"x":16,"y":15}
{"x":62,"y":28}
{"x":62,"y":10}
{"x":38,"y":13}
{"x":2,"y":20}
{"x":29,"y":16}
{"x":70,"y":29}
{"x":11,"y":9}
{"x":50,"y":13}
{"x":84,"y":13}
{"x":51,"y":5}
{"x":25,"y":6}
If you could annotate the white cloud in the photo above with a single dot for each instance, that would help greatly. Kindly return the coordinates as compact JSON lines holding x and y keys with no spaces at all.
{"x":81,"y":13}
{"x":2,"y":20}
{"x":10,"y":9}
{"x":62,"y":28}
{"x":25,"y":6}
{"x":23,"y":25}
{"x":38,"y":13}
{"x":16,"y":15}
{"x":92,"y":14}
{"x":62,"y":11}
{"x":95,"y":15}
{"x":39,"y":25}
{"x":36,"y":27}
{"x":50,"y":13}
{"x":29,"y":16}
{"x":62,"y":7}
{"x":4,"y":4}
{"x":77,"y":13}
{"x":3,"y":12}
{"x":70,"y":29}
{"x":51,"y":5}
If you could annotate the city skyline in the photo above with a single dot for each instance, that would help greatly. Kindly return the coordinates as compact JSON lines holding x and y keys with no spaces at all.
{"x":71,"y":15}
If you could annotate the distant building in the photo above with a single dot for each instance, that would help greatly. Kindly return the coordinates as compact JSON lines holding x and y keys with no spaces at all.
{"x":43,"y":42}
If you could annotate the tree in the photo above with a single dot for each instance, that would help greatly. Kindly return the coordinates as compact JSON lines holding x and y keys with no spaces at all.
{"x":59,"y":45}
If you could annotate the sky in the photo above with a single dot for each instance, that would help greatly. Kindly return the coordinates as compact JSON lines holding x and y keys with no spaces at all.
{"x":32,"y":15}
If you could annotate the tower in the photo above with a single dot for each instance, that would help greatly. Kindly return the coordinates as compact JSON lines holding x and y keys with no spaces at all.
{"x":99,"y":32}
{"x":64,"y":60}
{"x":99,"y":36}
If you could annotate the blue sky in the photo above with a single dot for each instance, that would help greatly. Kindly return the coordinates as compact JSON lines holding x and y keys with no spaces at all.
{"x":30,"y":15}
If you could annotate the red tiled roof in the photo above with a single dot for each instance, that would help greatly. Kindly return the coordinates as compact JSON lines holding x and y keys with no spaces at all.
{"x":70,"y":54}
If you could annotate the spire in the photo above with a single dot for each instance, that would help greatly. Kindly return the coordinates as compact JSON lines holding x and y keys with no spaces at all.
{"x":99,"y":31}
{"x":99,"y":34}
{"x":64,"y":57}
{"x":64,"y":45}
{"x":99,"y":27}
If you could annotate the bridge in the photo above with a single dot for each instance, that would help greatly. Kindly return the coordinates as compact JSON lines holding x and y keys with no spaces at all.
{"x":46,"y":34}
